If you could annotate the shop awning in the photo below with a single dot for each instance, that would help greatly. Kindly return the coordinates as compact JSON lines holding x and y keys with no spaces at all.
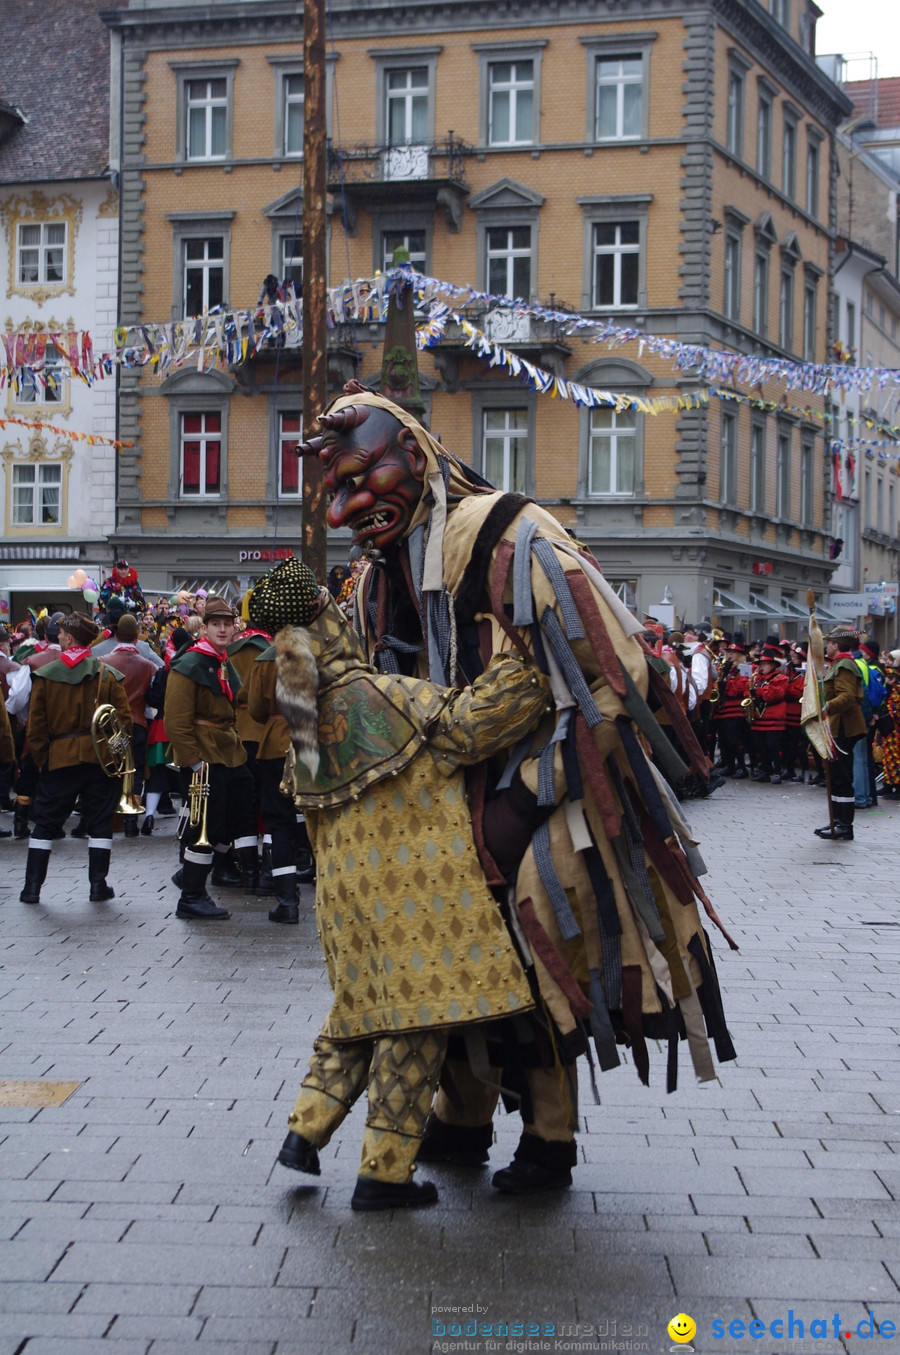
{"x":727,"y":604}
{"x":794,"y":612}
{"x":767,"y":608}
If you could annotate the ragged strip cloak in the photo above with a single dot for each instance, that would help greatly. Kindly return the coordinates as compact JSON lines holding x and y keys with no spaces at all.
{"x":412,"y":935}
{"x":606,"y":896}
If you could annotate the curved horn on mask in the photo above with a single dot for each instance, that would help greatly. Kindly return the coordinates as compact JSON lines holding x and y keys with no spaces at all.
{"x":342,"y":420}
{"x":311,"y":447}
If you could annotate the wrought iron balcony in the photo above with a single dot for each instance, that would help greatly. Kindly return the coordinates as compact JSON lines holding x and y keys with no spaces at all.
{"x":383,"y":176}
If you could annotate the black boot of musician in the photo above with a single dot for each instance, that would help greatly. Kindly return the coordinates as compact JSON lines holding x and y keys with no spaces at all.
{"x":843,"y":823}
{"x":248,"y":856}
{"x":35,"y":874}
{"x":98,"y":869}
{"x":266,"y":882}
{"x":194,"y":901}
{"x":20,"y":820}
{"x":223,"y":872}
{"x":287,"y":908}
{"x":131,"y":825}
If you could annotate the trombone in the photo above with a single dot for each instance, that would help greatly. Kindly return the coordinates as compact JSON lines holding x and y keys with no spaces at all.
{"x":198,"y":799}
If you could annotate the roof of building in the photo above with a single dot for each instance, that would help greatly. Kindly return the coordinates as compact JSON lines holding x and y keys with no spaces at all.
{"x":878,"y":99}
{"x":54,"y":70}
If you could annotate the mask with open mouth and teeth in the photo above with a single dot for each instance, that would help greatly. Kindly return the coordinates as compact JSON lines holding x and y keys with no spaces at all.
{"x":374,"y":474}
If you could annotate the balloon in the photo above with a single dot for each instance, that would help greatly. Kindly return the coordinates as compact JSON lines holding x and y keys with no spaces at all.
{"x":91,"y":583}
{"x":70,"y":582}
{"x":80,"y":578}
{"x":90,"y":595}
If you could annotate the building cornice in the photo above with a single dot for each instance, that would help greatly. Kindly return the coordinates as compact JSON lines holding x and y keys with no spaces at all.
{"x":170,"y":26}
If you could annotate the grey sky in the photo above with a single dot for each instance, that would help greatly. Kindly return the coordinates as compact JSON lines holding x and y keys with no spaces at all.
{"x":855,"y":27}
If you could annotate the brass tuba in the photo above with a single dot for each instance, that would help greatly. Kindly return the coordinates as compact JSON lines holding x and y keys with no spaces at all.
{"x":113,"y":748}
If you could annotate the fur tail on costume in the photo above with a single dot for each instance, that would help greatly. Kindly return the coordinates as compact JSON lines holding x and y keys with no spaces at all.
{"x":296,"y":690}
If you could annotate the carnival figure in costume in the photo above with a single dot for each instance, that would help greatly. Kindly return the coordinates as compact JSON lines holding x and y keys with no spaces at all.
{"x":414,"y":942}
{"x":122,"y":584}
{"x":604,"y":897}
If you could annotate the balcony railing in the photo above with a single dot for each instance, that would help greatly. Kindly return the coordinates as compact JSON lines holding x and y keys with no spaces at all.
{"x":506,"y":325}
{"x":442,"y":161}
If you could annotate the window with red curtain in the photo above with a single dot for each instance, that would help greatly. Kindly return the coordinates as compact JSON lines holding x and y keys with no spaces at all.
{"x":201,"y":453}
{"x":289,"y":432}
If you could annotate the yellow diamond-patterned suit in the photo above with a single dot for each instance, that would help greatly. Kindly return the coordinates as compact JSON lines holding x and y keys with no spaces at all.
{"x":413,"y":940}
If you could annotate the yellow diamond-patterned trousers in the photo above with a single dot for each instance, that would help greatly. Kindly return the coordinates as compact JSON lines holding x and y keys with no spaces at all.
{"x":402,"y":1073}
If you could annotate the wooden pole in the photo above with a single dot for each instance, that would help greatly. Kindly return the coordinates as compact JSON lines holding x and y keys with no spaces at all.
{"x":314,"y":278}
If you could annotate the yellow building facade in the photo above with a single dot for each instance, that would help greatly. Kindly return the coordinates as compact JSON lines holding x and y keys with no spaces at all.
{"x":666,"y":172}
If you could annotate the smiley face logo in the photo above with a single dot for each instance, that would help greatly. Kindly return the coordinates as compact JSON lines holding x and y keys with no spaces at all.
{"x":682,"y":1329}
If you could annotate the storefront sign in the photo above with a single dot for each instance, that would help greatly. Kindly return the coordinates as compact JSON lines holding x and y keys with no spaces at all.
{"x":848,"y":606}
{"x":266,"y":555}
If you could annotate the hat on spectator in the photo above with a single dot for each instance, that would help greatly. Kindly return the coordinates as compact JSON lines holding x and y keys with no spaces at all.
{"x":217,"y":608}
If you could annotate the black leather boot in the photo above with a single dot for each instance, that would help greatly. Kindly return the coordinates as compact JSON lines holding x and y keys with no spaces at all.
{"x":371,"y":1195}
{"x":300,"y":1155}
{"x":98,"y":869}
{"x":537,"y":1165}
{"x":130,"y":826}
{"x":223,"y":872}
{"x":20,"y":819}
{"x":147,"y":826}
{"x":266,"y":883}
{"x":249,"y":859}
{"x":287,"y":909}
{"x":461,"y":1145}
{"x":841,"y":832}
{"x":35,"y":875}
{"x":194,"y":901}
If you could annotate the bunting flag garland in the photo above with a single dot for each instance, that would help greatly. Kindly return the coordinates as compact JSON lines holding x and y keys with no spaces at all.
{"x":227,"y":338}
{"x":90,"y":438}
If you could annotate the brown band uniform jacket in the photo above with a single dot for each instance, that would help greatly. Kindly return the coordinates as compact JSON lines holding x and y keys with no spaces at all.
{"x":243,"y":652}
{"x":200,"y":720}
{"x":63,"y":702}
{"x":843,"y":698}
{"x":275,"y":738}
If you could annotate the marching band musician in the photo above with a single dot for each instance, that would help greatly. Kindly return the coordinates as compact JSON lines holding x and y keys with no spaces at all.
{"x":44,"y":649}
{"x":271,"y":609}
{"x":201,"y":725}
{"x":729,"y":718}
{"x":843,"y":704}
{"x":65,"y":696}
{"x":243,"y":652}
{"x":137,"y":674}
{"x":794,"y":738}
{"x":769,"y":693}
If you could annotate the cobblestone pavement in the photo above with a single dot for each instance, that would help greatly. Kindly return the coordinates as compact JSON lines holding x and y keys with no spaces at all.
{"x":146,"y":1212}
